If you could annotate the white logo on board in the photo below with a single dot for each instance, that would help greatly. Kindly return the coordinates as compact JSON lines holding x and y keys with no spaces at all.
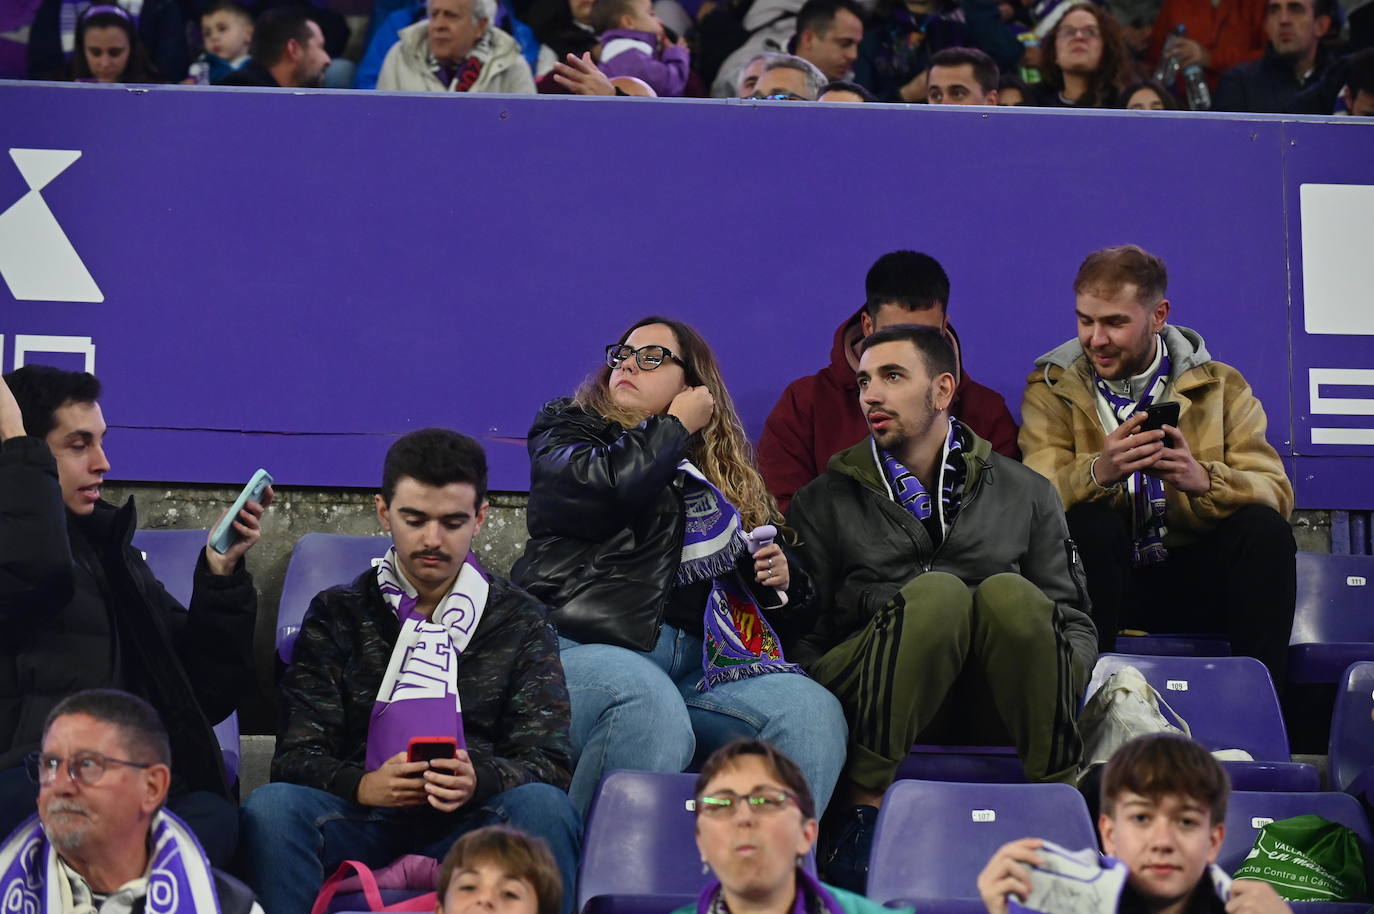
{"x":37,"y":260}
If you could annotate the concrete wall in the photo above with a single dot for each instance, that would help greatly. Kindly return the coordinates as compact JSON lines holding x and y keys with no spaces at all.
{"x":300,"y":511}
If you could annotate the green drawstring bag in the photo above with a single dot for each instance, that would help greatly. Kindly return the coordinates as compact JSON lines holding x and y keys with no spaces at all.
{"x":1308,"y":858}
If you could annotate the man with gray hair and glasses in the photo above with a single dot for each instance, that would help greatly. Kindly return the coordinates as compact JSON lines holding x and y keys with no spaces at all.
{"x":101,"y":841}
{"x":456,"y":49}
{"x":789,"y":78}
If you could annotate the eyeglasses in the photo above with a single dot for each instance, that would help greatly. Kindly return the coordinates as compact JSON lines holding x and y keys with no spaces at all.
{"x":780,"y":97}
{"x":1070,"y":32}
{"x":724,"y":804}
{"x":646,"y":357}
{"x":85,"y":767}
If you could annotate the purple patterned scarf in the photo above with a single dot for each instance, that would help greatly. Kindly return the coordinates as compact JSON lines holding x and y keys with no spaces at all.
{"x":180,"y":880}
{"x":1147,"y":492}
{"x":737,"y":640}
{"x":419,"y":693}
{"x":908,"y":492}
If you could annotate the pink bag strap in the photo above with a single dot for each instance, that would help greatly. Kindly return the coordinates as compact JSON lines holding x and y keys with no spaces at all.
{"x":331,"y":887}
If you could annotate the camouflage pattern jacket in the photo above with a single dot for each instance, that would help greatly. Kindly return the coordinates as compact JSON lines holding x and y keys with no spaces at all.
{"x":515,"y":702}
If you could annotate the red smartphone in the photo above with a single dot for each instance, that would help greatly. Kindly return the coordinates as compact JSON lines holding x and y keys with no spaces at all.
{"x":427,"y":748}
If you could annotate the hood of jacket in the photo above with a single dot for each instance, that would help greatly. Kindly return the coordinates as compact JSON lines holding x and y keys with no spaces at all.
{"x":1186,"y":350}
{"x":495,"y":48}
{"x":860,"y":463}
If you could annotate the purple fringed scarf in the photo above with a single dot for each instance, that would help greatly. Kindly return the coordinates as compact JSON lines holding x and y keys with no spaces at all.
{"x":419,"y":694}
{"x":1147,"y":492}
{"x":908,"y":492}
{"x":737,"y":640}
{"x":179,"y":877}
{"x":812,"y":897}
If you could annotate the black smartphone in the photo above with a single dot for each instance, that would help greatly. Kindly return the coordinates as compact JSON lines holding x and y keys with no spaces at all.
{"x":428,"y":748}
{"x":1159,"y":415}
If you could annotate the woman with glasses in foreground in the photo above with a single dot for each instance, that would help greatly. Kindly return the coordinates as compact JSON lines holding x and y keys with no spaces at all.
{"x":642,"y":494}
{"x":756,"y":823}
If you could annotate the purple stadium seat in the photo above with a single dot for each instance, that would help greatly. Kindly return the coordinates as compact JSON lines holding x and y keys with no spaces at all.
{"x":967,"y":764}
{"x":1229,"y":703}
{"x":172,"y":555}
{"x":1333,"y":624}
{"x":933,"y":837}
{"x":1351,"y":750}
{"x":1251,"y":810}
{"x":639,"y":853}
{"x":1174,"y":645}
{"x":320,"y":561}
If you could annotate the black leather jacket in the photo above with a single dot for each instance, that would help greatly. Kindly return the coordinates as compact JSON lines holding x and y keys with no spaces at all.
{"x":605,"y":519}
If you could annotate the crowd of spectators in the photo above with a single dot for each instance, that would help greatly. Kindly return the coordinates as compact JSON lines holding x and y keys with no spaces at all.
{"x":1275,"y":56}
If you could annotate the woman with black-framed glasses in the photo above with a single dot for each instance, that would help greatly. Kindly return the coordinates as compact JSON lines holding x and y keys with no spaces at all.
{"x":643,"y":499}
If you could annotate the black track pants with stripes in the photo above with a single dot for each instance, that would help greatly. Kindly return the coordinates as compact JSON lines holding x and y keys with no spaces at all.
{"x":989,"y":663}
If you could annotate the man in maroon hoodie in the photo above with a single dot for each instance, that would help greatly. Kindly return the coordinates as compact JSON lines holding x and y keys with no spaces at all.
{"x":817,"y":416}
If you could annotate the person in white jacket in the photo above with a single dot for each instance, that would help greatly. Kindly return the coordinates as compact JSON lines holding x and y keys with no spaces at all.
{"x":456,"y":49}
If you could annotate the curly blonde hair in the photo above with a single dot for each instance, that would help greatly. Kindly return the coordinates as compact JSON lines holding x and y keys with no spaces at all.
{"x":721,"y":450}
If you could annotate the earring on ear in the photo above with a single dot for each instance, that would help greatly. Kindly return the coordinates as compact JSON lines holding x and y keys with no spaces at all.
{"x":705,"y":867}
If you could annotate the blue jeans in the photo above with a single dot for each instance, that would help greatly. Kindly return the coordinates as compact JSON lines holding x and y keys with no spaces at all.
{"x":642,"y":711}
{"x":293,"y":836}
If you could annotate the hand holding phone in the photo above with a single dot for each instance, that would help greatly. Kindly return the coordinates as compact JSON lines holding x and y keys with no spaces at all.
{"x":224,"y":536}
{"x":1158,"y":415}
{"x":428,"y":748}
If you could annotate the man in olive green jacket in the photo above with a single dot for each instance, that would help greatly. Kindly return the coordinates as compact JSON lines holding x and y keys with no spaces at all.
{"x":1183,"y":528}
{"x":950,"y":605}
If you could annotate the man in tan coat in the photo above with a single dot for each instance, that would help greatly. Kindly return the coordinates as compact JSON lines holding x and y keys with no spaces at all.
{"x":1182,"y":528}
{"x":456,"y":49}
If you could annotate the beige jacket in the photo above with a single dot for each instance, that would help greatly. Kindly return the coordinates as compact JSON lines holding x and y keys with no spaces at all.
{"x":1219,"y":416}
{"x":408,"y":66}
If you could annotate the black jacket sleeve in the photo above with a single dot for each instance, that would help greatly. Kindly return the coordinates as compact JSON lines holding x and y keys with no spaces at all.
{"x":576,"y":475}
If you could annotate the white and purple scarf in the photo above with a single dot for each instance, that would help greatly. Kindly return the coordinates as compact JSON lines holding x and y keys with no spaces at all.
{"x":179,"y":878}
{"x":812,"y":898}
{"x":1147,"y":492}
{"x":419,"y":694}
{"x":737,"y":640}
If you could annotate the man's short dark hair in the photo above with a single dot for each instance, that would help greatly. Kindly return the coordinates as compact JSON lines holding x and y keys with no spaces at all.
{"x":435,"y":457}
{"x":274,"y":29}
{"x":913,"y":280}
{"x":140,"y":728}
{"x":783,"y":768}
{"x":1106,"y":272}
{"x":42,"y":389}
{"x":934,"y":347}
{"x":1165,"y":763}
{"x":819,"y":15}
{"x":1359,"y":75}
{"x":984,"y":67}
{"x":847,"y":85}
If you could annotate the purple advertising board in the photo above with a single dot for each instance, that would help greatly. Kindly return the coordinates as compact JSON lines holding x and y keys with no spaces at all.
{"x":292,"y":279}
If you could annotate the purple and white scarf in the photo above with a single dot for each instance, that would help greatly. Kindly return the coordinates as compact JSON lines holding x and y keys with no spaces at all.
{"x":737,"y":640}
{"x":812,"y":898}
{"x":1147,"y":492}
{"x":180,"y":880}
{"x":908,"y":492}
{"x":419,"y":693}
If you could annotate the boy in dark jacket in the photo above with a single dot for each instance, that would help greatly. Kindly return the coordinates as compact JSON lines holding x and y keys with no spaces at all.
{"x":79,"y":607}
{"x":426,"y":644}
